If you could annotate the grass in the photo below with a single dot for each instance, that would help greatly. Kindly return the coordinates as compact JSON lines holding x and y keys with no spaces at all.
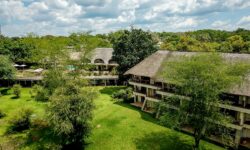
{"x":116,"y":125}
{"x":120,"y":126}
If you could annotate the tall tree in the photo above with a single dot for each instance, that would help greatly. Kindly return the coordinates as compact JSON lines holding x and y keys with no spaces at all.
{"x":202,"y":78}
{"x":70,"y":113}
{"x":131,"y":47}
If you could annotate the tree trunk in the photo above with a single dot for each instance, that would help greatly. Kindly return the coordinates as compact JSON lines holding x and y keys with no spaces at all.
{"x":197,"y":143}
{"x":197,"y":138}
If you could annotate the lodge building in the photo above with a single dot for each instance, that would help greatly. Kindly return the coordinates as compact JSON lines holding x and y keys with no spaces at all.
{"x":103,"y":70}
{"x":150,"y":89}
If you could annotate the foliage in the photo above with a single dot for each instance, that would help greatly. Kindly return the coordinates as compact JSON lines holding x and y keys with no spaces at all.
{"x":20,"y":120}
{"x":124,"y":94}
{"x":70,"y":112}
{"x":86,"y":41}
{"x":17,"y":90}
{"x":131,"y":47}
{"x":41,"y":94}
{"x":17,"y":48}
{"x":207,"y":40}
{"x":52,"y":79}
{"x":203,"y":78}
{"x":7,"y":71}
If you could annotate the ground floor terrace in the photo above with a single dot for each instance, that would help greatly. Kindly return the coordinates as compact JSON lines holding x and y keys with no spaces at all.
{"x":116,"y":126}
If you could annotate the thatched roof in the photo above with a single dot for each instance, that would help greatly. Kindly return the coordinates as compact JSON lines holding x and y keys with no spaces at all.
{"x":149,"y":66}
{"x":104,"y":54}
{"x":98,"y":55}
{"x":152,"y":66}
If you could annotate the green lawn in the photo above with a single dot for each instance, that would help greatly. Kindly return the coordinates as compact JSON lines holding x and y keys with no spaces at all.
{"x":116,"y":126}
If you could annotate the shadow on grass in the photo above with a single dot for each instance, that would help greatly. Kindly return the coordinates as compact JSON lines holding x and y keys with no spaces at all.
{"x":144,"y":115}
{"x":41,"y":138}
{"x":161,"y":141}
{"x":5,"y":91}
{"x":15,"y":97}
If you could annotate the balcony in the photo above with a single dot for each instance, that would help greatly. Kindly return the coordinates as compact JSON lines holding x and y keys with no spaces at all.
{"x":164,"y":93}
{"x":143,"y":83}
{"x":235,"y":108}
{"x":137,"y":104}
{"x":139,"y":93}
{"x":153,"y":98}
{"x":247,"y":122}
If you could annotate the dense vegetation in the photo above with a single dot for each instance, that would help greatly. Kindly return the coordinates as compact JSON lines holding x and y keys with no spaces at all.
{"x":207,"y":40}
{"x":33,"y":48}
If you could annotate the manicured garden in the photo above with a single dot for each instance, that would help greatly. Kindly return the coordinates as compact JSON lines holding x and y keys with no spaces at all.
{"x":115,"y":125}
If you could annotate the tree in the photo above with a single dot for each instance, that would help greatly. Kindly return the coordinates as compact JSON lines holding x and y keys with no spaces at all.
{"x":7,"y":71}
{"x":17,"y":90}
{"x":237,"y":43}
{"x":247,"y":47}
{"x":226,"y":47}
{"x":70,"y":112}
{"x":187,"y":43}
{"x":202,"y":78}
{"x":53,"y":79}
{"x":131,"y":47}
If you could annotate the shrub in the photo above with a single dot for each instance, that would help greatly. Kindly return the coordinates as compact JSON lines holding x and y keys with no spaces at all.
{"x":17,"y":90}
{"x":125,"y":95}
{"x":41,"y":94}
{"x":2,"y":114}
{"x":119,"y":94}
{"x":33,"y":91}
{"x":20,"y":120}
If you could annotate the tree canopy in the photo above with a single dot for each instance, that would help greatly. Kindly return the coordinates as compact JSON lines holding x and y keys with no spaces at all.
{"x":70,"y":112}
{"x":131,"y":47}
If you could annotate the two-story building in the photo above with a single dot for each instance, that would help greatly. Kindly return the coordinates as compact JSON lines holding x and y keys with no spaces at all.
{"x":150,"y":89}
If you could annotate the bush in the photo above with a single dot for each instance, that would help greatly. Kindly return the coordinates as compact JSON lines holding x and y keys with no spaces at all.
{"x":2,"y":114}
{"x":41,"y":94}
{"x":17,"y":90}
{"x":125,"y":95}
{"x":20,"y":120}
{"x":119,"y":94}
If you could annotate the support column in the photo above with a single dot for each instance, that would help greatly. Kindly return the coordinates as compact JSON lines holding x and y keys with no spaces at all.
{"x":139,"y":98}
{"x":237,"y":138}
{"x":244,"y":98}
{"x":241,"y":118}
{"x":144,"y":103}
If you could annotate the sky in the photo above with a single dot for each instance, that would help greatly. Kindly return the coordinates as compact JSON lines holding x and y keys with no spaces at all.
{"x":62,"y":17}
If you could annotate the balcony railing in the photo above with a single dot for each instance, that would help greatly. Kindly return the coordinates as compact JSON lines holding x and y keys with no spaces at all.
{"x":140,"y":91}
{"x":140,"y":81}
